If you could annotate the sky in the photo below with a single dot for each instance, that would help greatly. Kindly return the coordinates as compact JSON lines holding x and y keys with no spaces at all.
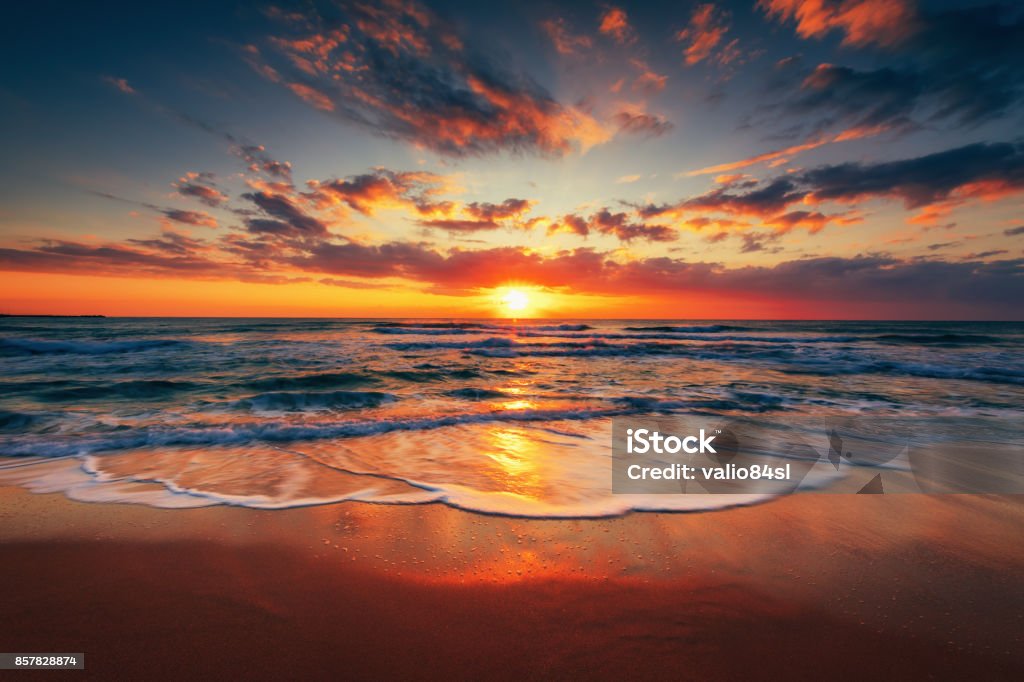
{"x":827,"y":159}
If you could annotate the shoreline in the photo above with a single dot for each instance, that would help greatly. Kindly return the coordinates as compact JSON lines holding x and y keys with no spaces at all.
{"x":844,"y":586}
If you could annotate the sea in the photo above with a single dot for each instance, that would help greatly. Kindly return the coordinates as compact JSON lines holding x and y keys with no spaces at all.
{"x":491,"y":416}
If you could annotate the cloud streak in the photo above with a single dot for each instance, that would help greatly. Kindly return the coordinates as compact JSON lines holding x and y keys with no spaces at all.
{"x":400,"y":72}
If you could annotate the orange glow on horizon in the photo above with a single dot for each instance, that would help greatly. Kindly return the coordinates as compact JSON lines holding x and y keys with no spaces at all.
{"x":27,"y":293}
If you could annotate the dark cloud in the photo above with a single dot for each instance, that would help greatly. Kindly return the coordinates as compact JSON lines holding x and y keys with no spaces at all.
{"x":884,"y":97}
{"x":570,"y":223}
{"x":768,"y":199}
{"x":1014,"y":231}
{"x":757,"y":241}
{"x":983,"y":170}
{"x":198,"y":218}
{"x":287,"y":218}
{"x":985,"y":254}
{"x":642,"y":123}
{"x":959,"y":67}
{"x":987,"y":288}
{"x":934,"y":183}
{"x":510,"y":208}
{"x":626,"y":230}
{"x":397,"y":69}
{"x":201,"y":186}
{"x":258,"y":160}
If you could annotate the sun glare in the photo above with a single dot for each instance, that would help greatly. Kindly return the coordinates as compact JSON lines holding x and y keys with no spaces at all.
{"x":515,"y":301}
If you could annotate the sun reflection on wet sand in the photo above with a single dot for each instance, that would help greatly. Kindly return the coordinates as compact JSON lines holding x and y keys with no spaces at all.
{"x":516,"y":454}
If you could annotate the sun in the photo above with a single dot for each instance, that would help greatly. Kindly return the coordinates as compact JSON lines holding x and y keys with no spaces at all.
{"x":515,"y":301}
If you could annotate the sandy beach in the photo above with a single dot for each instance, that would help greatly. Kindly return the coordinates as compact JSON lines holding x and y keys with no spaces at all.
{"x":806,"y":586}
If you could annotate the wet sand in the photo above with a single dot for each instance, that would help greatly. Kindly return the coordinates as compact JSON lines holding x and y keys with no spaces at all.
{"x":806,"y":587}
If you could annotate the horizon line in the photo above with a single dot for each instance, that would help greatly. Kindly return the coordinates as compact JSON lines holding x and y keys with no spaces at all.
{"x":95,"y":316}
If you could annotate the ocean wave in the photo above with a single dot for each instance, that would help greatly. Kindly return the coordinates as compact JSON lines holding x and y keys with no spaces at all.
{"x":437,"y":325}
{"x":490,"y":342}
{"x":459,"y":329}
{"x":15,"y":421}
{"x":709,"y":328}
{"x":938,"y":339}
{"x":277,"y":432}
{"x":421,"y":376}
{"x":289,"y":401}
{"x":46,"y":347}
{"x":313,"y":380}
{"x":427,"y":331}
{"x":86,"y":480}
{"x":150,"y":389}
{"x":561,"y":327}
{"x":477,"y":394}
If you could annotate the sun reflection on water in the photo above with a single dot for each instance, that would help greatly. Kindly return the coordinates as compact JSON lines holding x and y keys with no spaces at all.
{"x":521,"y":404}
{"x":516,"y":455}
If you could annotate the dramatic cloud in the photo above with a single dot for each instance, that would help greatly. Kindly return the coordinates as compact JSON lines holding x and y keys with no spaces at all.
{"x":957,"y":66}
{"x":400,"y":72}
{"x":862,"y":22}
{"x":981,"y":171}
{"x":707,"y":28}
{"x":934,"y":183}
{"x":988,"y":287}
{"x":382,"y":189}
{"x":768,"y":199}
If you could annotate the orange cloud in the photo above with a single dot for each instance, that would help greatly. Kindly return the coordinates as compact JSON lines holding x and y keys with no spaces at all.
{"x":706,"y":29}
{"x":648,"y":81}
{"x":615,"y":23}
{"x":312,"y":96}
{"x":565,"y":42}
{"x":883,"y":22}
{"x":783,"y":155}
{"x":366,"y":70}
